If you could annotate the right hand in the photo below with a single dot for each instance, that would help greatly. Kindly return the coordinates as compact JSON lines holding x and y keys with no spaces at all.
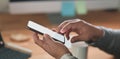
{"x":85,"y":31}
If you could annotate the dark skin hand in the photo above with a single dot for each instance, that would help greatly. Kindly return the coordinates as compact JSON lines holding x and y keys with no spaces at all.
{"x":55,"y":49}
{"x":85,"y":31}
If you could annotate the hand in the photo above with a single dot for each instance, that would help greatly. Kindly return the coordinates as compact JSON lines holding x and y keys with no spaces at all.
{"x":85,"y":31}
{"x":55,"y":49}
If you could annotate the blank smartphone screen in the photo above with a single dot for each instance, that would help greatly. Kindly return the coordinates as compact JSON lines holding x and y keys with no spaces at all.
{"x":41,"y":29}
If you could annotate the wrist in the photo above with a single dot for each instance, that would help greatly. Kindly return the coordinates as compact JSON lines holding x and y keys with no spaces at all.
{"x":99,"y":34}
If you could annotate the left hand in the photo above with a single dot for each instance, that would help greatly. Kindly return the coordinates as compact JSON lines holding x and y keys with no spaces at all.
{"x":55,"y":49}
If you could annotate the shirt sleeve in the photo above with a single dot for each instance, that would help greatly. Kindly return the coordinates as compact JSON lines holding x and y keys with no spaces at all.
{"x":110,"y":42}
{"x":68,"y":56}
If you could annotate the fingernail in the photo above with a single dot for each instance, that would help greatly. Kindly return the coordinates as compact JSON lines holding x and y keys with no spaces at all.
{"x":61,"y":31}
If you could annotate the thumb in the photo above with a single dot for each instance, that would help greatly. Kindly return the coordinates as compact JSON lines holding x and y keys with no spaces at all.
{"x":76,"y":39}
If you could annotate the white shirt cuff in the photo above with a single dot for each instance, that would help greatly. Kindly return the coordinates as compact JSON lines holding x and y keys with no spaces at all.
{"x":68,"y":56}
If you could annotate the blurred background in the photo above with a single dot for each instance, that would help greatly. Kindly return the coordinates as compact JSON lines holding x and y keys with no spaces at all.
{"x":55,"y":11}
{"x":14,"y":15}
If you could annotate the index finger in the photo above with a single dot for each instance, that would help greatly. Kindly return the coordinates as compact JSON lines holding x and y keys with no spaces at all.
{"x":66,"y":28}
{"x":62,"y":25}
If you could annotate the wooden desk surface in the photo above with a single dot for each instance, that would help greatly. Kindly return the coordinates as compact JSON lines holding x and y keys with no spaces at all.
{"x":39,"y":53}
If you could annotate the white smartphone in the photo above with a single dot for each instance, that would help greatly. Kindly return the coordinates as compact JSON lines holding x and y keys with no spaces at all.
{"x":43,"y":30}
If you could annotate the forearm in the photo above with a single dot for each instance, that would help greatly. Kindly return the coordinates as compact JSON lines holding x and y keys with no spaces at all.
{"x":110,"y":42}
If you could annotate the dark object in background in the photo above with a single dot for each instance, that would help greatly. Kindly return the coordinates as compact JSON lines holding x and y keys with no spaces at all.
{"x":7,"y":53}
{"x":112,"y":10}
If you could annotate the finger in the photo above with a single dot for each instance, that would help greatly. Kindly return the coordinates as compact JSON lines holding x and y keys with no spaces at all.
{"x":67,"y":34}
{"x":35,"y":36}
{"x":76,"y":39}
{"x":37,"y":39}
{"x":66,"y":28}
{"x":63,"y":24}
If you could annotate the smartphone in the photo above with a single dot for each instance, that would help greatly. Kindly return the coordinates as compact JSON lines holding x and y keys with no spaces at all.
{"x":44,"y":30}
